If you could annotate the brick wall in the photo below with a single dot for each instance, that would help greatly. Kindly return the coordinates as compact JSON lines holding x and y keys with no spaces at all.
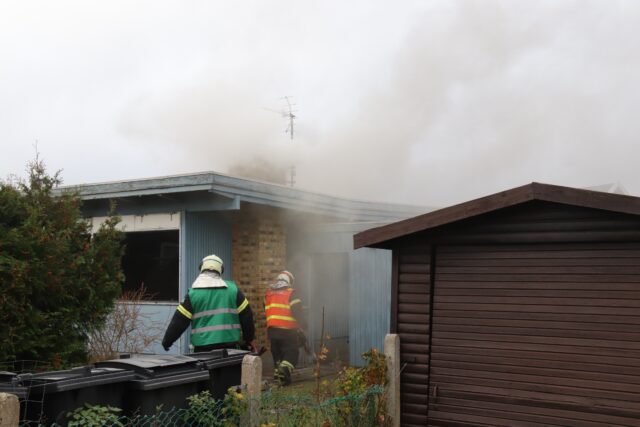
{"x":259,"y":253}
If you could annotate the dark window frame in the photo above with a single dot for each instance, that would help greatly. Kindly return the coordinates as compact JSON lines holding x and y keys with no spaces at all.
{"x":152,"y":259}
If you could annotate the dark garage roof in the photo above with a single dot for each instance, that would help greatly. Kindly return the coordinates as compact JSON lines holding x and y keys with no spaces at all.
{"x":377,"y":237}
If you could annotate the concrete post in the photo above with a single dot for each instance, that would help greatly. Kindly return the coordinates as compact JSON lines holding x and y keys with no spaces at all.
{"x":252,"y":387}
{"x":9,"y":410}
{"x":392,"y":353}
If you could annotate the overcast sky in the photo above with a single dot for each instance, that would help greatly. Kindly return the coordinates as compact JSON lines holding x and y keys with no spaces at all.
{"x":422,"y":102}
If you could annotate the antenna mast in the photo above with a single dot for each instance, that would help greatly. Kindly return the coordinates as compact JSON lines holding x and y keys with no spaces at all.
{"x":291,"y":117}
{"x":288,"y":113}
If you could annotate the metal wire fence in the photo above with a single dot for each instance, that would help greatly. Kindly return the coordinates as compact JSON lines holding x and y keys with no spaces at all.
{"x":21,"y":386}
{"x":354,"y":410}
{"x":274,"y":409}
{"x":354,"y":404}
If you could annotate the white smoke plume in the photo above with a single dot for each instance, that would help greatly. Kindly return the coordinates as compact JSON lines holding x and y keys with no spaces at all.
{"x":480,"y":96}
{"x":425,"y":102}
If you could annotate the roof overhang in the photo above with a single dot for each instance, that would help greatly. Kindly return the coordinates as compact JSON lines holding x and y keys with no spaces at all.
{"x":249,"y":191}
{"x":378,"y":237}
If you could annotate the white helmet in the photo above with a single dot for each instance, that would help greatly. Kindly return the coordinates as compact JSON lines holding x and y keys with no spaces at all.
{"x":285,"y":276}
{"x":212,"y":262}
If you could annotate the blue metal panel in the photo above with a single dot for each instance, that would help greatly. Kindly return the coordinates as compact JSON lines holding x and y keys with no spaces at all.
{"x":354,"y":287}
{"x":152,"y":320}
{"x":206,"y":233}
{"x":328,"y":279}
{"x":183,"y":343}
{"x":370,"y":299}
{"x":202,"y":234}
{"x":156,"y":318}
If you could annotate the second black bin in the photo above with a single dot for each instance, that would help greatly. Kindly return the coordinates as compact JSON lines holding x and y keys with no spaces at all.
{"x":225,"y":369}
{"x":166,"y":381}
{"x":161,"y":381}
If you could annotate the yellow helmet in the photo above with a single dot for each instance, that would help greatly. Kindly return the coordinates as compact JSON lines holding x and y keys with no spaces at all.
{"x":212,"y":262}
{"x":285,"y":276}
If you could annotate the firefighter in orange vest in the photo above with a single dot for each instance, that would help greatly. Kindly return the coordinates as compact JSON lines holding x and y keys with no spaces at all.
{"x":284,"y":320}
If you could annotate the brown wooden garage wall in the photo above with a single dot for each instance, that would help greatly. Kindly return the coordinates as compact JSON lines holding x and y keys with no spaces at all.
{"x":410,"y":319}
{"x":535,"y":334}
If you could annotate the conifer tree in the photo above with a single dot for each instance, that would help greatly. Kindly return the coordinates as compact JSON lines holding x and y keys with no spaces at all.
{"x":57,"y":280}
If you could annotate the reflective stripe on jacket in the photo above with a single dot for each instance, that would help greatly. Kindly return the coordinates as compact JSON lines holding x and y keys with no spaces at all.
{"x":215,"y":315}
{"x":277,"y":304}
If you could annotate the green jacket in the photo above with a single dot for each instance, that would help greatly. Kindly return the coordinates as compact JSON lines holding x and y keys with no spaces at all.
{"x":215,"y":315}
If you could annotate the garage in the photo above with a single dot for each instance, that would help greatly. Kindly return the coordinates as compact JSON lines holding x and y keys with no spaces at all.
{"x":520,"y":308}
{"x":537,"y":334}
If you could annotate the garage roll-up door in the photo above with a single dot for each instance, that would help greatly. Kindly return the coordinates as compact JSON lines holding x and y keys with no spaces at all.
{"x":533,"y":335}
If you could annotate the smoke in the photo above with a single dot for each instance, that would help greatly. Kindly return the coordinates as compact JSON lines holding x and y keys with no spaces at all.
{"x":472,"y":97}
{"x":261,"y":169}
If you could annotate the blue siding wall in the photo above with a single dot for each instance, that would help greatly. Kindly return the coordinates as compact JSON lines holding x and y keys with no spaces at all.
{"x":155,"y":319}
{"x":205,"y":233}
{"x":328,"y":283}
{"x":370,"y":299}
{"x":202,"y":234}
{"x":354,"y":287}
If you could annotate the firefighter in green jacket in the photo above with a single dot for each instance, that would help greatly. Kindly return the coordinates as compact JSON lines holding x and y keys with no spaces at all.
{"x":216,"y":310}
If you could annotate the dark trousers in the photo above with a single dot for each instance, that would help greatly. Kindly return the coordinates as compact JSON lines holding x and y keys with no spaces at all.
{"x":284,"y":345}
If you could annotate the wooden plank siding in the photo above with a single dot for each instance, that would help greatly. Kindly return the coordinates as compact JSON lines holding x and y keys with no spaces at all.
{"x":528,"y":315}
{"x":536,"y":334}
{"x":411,"y":320}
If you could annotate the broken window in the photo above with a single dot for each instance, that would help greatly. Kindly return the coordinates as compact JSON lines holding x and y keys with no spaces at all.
{"x":151,"y":260}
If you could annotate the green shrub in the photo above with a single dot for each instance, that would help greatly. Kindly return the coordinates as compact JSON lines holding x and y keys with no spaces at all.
{"x":354,"y":386}
{"x":95,"y":416}
{"x":204,"y":410}
{"x":58,"y":281}
{"x":357,"y":380}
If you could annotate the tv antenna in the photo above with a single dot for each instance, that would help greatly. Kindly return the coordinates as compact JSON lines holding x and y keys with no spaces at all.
{"x":288,"y":112}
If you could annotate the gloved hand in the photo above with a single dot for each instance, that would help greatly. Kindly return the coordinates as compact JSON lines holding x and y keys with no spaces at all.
{"x":302,"y":338}
{"x":166,"y":347}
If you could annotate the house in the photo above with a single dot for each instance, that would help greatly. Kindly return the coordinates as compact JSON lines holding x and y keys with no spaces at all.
{"x":520,"y":308}
{"x":258,"y":229}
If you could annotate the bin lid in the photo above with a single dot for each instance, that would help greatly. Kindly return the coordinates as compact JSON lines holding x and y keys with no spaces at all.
{"x":19,"y":391}
{"x":238,"y":353}
{"x":151,"y":366}
{"x":77,"y":378}
{"x":166,"y":381}
{"x":10,"y":383}
{"x":219,"y":358}
{"x":7,"y":377}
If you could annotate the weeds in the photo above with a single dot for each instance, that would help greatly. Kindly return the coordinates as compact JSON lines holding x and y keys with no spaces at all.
{"x":95,"y":416}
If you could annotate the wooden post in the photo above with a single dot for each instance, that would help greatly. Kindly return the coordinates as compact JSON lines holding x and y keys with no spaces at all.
{"x":9,"y":410}
{"x":251,"y":388}
{"x":392,"y":354}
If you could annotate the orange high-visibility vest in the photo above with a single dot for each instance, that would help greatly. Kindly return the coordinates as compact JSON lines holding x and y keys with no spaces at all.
{"x":277,"y":304}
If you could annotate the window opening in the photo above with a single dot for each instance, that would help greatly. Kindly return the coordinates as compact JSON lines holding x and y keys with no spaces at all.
{"x":152,"y":259}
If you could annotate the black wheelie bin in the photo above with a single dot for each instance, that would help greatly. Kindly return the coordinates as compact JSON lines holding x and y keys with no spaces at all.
{"x":10,"y":383}
{"x":51,"y":395}
{"x":160,"y":381}
{"x":225,"y":369}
